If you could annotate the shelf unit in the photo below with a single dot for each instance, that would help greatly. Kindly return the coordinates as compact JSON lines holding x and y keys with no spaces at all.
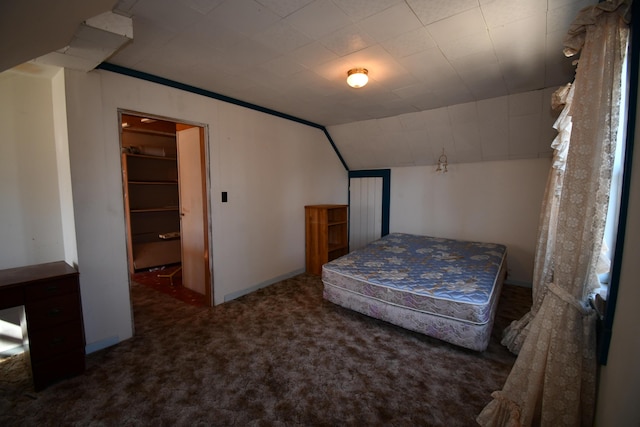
{"x":326,"y":235}
{"x":152,"y":208}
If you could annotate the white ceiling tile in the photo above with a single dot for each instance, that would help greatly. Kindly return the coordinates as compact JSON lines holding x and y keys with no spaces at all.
{"x":174,"y":17}
{"x":286,"y":55}
{"x":389,"y":124}
{"x":347,"y":40}
{"x":203,"y":6}
{"x":282,"y":37}
{"x":125,"y":5}
{"x":318,"y":19}
{"x":479,"y":43}
{"x":457,"y":27}
{"x":521,"y":47}
{"x":463,"y":113}
{"x":282,"y":67}
{"x":437,"y":117}
{"x":493,"y":124}
{"x":409,"y":43}
{"x":413,"y":121}
{"x":524,"y":104}
{"x":420,"y":147}
{"x":494,"y":141}
{"x":464,"y":124}
{"x":399,"y":151}
{"x":502,"y":12}
{"x":560,"y":69}
{"x":524,"y":136}
{"x":493,"y":110}
{"x":313,"y":54}
{"x":483,"y":86}
{"x":244,"y":16}
{"x":216,"y":36}
{"x":427,"y":64}
{"x":436,"y":10}
{"x":249,"y":53}
{"x":530,"y":77}
{"x":425,"y":101}
{"x":284,"y":7}
{"x":466,"y":137}
{"x":360,"y":9}
{"x":452,"y":87}
{"x":439,"y":126}
{"x":484,"y":79}
{"x":391,"y":22}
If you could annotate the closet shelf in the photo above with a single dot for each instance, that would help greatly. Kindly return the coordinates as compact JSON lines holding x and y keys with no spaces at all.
{"x":153,"y":182}
{"x":163,"y":209}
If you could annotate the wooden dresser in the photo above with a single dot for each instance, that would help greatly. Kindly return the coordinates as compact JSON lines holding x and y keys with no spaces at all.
{"x":53,"y":331}
{"x":326,"y":235}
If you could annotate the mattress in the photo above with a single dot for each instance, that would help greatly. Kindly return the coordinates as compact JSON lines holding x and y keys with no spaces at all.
{"x":441,"y":287}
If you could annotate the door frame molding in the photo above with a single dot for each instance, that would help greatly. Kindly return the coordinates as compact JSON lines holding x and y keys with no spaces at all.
{"x":204,"y":139}
{"x":385,"y":174}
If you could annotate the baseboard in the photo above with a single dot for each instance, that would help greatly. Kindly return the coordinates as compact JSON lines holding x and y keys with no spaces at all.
{"x":254,"y":288}
{"x":518,"y":283}
{"x":102,"y":344}
{"x":8,"y":352}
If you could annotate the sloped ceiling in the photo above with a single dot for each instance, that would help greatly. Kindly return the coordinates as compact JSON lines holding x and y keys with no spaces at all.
{"x":32,"y":28}
{"x":471,"y":76}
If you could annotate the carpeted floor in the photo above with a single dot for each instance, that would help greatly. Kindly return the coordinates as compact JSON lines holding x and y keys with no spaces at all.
{"x":281,"y":356}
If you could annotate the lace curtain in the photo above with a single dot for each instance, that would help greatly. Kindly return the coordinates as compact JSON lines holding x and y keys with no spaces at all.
{"x":553,"y":379}
{"x":515,"y":333}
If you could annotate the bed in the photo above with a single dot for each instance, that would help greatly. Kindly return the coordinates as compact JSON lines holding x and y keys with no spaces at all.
{"x":444,"y":288}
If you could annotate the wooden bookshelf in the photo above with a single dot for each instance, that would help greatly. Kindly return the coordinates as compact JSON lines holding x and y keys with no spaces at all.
{"x":326,"y":235}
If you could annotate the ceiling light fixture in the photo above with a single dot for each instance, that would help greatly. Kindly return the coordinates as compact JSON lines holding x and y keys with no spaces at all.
{"x":357,"y":77}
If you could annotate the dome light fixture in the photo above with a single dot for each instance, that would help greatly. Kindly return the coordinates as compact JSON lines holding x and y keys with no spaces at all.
{"x":357,"y":77}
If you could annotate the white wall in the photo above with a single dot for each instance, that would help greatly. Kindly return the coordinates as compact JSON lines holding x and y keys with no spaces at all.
{"x":64,"y":171}
{"x":619,"y":385}
{"x":495,"y":202}
{"x":31,"y":226}
{"x":269,"y":166}
{"x":31,"y":183}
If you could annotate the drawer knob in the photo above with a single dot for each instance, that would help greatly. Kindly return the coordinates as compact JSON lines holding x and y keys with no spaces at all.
{"x":57,"y":341}
{"x":54,"y":312}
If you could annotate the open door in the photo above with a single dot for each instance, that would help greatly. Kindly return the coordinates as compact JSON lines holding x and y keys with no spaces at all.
{"x":193,"y":211}
{"x":165,"y":199}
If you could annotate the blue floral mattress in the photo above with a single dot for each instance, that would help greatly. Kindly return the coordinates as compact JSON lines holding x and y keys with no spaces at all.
{"x":449,"y":278}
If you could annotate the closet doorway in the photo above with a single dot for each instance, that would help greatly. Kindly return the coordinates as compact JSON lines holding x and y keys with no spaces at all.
{"x":165,"y":199}
{"x":369,"y":205}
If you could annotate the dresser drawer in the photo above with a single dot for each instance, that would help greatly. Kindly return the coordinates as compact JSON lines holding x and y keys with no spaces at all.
{"x":47,"y":343}
{"x":56,"y":368}
{"x":51,"y":288}
{"x":50,"y":312}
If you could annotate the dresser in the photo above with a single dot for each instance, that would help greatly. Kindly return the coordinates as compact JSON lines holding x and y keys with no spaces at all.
{"x":326,"y":235}
{"x":53,"y":331}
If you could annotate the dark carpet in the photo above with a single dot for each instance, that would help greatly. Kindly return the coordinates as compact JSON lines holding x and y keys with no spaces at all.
{"x":280,"y":356}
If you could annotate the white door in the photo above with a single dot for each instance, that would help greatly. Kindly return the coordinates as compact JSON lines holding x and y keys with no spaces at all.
{"x":365,"y":211}
{"x":192,"y":214}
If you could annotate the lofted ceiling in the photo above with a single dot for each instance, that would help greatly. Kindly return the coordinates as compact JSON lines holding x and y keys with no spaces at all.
{"x":454,"y":74}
